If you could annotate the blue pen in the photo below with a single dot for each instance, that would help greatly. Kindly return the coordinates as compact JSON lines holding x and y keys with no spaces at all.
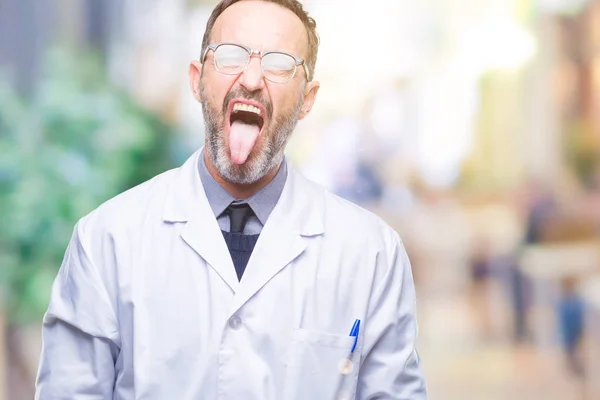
{"x":354,"y":332}
{"x":346,"y":366}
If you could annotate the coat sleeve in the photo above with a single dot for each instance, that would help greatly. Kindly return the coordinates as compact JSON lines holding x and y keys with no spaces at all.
{"x":80,"y":339}
{"x":391,"y":367}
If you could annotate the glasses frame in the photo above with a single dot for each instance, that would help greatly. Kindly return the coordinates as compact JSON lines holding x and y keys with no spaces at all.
{"x":261,"y":54}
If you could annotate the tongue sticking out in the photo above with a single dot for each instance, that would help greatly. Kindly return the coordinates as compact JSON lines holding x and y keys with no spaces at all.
{"x":242,"y":138}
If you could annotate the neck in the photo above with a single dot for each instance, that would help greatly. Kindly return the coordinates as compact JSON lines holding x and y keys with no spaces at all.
{"x":239,"y":191}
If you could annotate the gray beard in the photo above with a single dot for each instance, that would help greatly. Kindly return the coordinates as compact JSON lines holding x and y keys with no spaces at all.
{"x":261,"y":160}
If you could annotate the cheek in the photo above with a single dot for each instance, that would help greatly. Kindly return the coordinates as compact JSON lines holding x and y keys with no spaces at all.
{"x":284,"y":101}
{"x":216,"y":88}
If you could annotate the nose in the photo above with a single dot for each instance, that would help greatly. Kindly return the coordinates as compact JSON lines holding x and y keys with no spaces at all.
{"x":252,"y":77}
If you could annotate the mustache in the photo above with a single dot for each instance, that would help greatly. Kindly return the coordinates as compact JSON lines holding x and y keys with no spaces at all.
{"x":241,"y":93}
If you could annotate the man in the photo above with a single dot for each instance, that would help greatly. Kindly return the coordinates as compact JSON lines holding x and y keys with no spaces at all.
{"x":233,"y":277}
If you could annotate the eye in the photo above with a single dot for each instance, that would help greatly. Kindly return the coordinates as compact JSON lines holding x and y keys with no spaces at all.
{"x":278,"y":67}
{"x":278,"y":62}
{"x":230,"y":58}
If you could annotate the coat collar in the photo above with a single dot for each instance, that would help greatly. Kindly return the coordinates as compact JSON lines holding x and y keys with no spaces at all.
{"x":297,"y":215}
{"x":186,"y":199}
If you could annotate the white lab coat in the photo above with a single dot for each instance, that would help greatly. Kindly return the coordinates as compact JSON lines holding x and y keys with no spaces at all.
{"x":147,"y":304}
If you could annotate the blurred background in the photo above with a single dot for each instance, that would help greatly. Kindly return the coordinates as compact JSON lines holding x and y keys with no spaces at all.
{"x":473,"y":127}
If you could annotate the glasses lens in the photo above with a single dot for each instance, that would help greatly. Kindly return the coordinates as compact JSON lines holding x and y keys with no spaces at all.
{"x":278,"y":67}
{"x":231,"y":59}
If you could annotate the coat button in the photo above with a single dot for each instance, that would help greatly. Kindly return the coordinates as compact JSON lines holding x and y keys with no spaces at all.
{"x":235,"y":323}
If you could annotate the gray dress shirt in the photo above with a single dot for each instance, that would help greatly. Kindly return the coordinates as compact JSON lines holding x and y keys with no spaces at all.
{"x":262,"y":203}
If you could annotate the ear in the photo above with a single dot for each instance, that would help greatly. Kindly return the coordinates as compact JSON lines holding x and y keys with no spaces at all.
{"x":195,"y":73}
{"x":310,"y":95}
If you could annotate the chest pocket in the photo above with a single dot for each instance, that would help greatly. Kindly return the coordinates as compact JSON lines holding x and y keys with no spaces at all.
{"x":319,"y":366}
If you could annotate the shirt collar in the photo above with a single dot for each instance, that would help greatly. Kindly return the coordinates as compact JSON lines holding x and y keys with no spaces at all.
{"x":262,"y":203}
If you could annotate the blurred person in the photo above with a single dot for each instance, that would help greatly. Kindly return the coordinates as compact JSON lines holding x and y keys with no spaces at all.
{"x":363,"y":186}
{"x":233,"y":276}
{"x":570,"y":310}
{"x":480,"y":271}
{"x":539,"y":206}
{"x":542,"y":206}
{"x":480,"y":261}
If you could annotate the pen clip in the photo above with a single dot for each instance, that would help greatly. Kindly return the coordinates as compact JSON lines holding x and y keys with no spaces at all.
{"x":354,"y":332}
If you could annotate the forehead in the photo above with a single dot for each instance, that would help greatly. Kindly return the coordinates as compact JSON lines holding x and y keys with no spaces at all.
{"x":262,"y":26}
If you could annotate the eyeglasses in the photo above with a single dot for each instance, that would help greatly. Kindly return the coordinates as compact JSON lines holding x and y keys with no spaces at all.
{"x":277,"y":66}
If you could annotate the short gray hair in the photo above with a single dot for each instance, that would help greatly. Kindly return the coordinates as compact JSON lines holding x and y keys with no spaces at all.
{"x":292,"y":5}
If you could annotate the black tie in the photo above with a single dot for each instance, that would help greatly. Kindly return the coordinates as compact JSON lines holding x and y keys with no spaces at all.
{"x":238,"y":215}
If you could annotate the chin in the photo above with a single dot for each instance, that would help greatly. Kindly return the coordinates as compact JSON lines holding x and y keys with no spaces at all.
{"x":253,"y":170}
{"x":267,"y":155}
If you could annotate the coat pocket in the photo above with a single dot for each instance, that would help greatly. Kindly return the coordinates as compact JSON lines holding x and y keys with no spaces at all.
{"x":320,"y":366}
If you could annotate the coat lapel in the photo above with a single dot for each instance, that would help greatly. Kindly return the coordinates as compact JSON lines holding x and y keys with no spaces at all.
{"x":208,"y":242}
{"x":187,"y":202}
{"x":296,"y":216}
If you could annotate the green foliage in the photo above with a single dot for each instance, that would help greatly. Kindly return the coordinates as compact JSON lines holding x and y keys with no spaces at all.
{"x":77,"y":142}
